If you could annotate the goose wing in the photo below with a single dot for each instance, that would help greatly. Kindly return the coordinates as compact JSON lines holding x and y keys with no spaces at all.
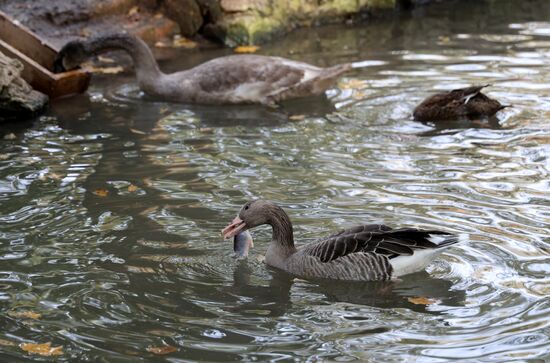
{"x":376,"y":239}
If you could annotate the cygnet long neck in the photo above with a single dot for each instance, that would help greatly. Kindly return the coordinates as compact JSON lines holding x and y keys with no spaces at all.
{"x":147,"y":70}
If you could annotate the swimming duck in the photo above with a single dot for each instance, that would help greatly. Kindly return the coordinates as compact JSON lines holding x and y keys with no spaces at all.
{"x":363,"y":253}
{"x":244,"y":78}
{"x":460,"y":103}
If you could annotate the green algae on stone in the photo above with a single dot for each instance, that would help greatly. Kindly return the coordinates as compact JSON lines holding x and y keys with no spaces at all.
{"x":250,"y":22}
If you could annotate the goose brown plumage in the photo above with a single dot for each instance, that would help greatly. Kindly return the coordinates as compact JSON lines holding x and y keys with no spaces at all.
{"x":469,"y":103}
{"x":363,"y":253}
{"x":244,"y":78}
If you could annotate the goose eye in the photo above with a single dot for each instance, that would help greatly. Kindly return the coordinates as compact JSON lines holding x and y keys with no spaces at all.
{"x":245,"y":207}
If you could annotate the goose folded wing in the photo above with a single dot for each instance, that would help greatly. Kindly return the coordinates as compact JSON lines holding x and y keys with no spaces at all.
{"x":388,"y":242}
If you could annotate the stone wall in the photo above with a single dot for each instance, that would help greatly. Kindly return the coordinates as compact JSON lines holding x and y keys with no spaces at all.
{"x":256,"y":21}
{"x":17,"y":98}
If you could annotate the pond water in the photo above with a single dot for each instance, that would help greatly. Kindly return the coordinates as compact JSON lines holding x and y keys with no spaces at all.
{"x":112,"y":206}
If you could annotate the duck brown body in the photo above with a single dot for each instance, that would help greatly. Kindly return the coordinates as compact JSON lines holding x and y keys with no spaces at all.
{"x":462,"y":103}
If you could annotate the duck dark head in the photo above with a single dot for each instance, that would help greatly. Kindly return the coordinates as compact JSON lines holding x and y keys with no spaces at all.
{"x":242,"y":242}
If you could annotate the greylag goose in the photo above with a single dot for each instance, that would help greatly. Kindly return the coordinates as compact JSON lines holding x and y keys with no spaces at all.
{"x":462,"y":103}
{"x":363,"y":253}
{"x":245,"y":78}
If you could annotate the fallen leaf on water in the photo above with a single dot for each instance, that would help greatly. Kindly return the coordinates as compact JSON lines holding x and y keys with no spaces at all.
{"x":246,"y":49}
{"x":165,"y":349}
{"x":85,"y":32}
{"x":25,"y":314}
{"x":10,"y":136}
{"x":181,"y":42}
{"x":420,"y":300}
{"x":105,"y":70}
{"x":101,"y":192}
{"x":136,"y":131}
{"x":358,"y":95}
{"x":161,"y":44}
{"x":6,"y":343}
{"x":133,"y":11}
{"x":44,"y":349}
{"x":297,"y":117}
{"x":133,"y":188}
{"x":352,"y":84}
{"x":104,"y":59}
{"x":140,"y":269}
{"x":444,"y":39}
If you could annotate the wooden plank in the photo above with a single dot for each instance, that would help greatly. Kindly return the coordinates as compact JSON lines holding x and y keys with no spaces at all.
{"x":22,"y":39}
{"x":54,"y":85}
{"x":71,"y":82}
{"x":37,"y":56}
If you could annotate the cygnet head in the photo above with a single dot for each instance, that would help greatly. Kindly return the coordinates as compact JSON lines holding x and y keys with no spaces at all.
{"x":70,"y":56}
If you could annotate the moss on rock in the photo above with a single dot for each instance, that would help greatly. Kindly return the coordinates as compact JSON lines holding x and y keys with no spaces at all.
{"x":256,"y":21}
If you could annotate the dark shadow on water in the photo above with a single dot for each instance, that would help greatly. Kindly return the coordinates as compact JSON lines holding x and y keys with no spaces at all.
{"x":408,"y":292}
{"x":274,"y":299}
{"x":449,"y":127}
{"x":415,"y":292}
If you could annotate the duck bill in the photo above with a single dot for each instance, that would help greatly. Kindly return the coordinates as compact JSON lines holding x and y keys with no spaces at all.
{"x":234,"y":228}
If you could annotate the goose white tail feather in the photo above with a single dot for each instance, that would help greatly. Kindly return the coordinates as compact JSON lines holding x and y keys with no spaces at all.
{"x":403,"y":265}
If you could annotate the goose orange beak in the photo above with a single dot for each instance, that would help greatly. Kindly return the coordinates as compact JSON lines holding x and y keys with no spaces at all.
{"x":234,"y":228}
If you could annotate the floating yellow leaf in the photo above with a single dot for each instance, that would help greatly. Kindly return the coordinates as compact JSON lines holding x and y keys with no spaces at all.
{"x":352,"y":84}
{"x":297,"y":117}
{"x":105,"y":70}
{"x":136,"y":131}
{"x":246,"y":49}
{"x":45,"y":349}
{"x":105,"y":59}
{"x":10,"y":136}
{"x":6,"y":343}
{"x":140,"y":269}
{"x":101,"y":192}
{"x":358,"y":95}
{"x":165,"y":349}
{"x":444,"y":39}
{"x":420,"y":300}
{"x":133,"y":11}
{"x":85,"y":32}
{"x":181,"y":42}
{"x":25,"y":314}
{"x":133,"y":188}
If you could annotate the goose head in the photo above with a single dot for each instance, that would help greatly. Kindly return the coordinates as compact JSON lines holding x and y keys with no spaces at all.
{"x":70,"y":56}
{"x":252,"y":214}
{"x":242,"y":242}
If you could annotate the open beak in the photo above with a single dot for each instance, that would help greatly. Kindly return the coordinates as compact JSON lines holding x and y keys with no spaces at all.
{"x":234,"y":228}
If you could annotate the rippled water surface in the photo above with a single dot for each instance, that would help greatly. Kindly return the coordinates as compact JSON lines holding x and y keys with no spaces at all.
{"x":112,"y":206}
